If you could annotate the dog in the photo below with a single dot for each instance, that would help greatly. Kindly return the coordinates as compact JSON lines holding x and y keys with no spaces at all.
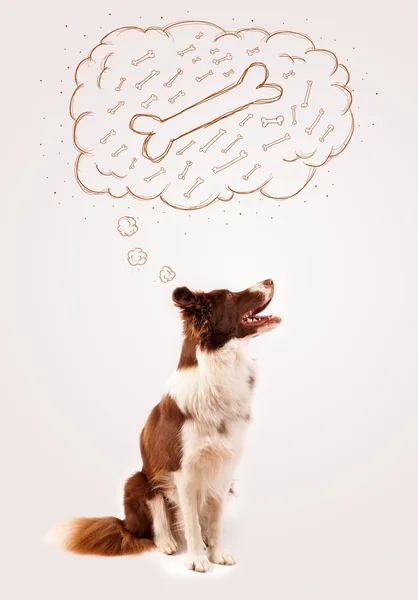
{"x":192,"y":439}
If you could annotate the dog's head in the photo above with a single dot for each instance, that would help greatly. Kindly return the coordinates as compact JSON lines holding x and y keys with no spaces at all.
{"x":214,"y":318}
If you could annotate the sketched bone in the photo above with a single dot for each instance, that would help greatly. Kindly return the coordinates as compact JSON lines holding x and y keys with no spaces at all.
{"x":119,"y":87}
{"x":228,"y":148}
{"x":199,"y":79}
{"x":186,"y":168}
{"x":170,"y":82}
{"x":151,"y":99}
{"x":217,"y":61}
{"x":307,"y":94}
{"x":294,"y":107}
{"x":287,"y":75}
{"x":253,"y":51}
{"x":198,"y":181}
{"x":141,"y":84}
{"x":191,"y":48}
{"x":274,"y":142}
{"x":115,"y":108}
{"x":161,"y":134}
{"x":149,"y":54}
{"x":210,"y":143}
{"x":328,"y":131}
{"x":273,"y":121}
{"x":183,"y":150}
{"x":119,"y":150}
{"x":241,"y":156}
{"x":248,"y":175}
{"x":103,"y":140}
{"x":174,"y":98}
{"x":247,"y":118}
{"x":160,"y":172}
{"x":315,"y":123}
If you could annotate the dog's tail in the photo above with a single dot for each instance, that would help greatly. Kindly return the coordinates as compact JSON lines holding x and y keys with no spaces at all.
{"x":109,"y":536}
{"x":105,"y":536}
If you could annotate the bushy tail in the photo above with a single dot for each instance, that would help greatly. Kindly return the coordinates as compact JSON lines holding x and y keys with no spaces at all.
{"x":105,"y":536}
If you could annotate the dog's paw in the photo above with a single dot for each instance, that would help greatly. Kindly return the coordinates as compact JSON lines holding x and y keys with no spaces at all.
{"x":166,"y":545}
{"x":197,"y":563}
{"x":222,"y":558}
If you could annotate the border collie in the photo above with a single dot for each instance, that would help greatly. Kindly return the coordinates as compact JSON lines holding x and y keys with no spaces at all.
{"x":192,"y":439}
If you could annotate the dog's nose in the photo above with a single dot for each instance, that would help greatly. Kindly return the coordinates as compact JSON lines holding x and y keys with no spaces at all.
{"x":268,"y":283}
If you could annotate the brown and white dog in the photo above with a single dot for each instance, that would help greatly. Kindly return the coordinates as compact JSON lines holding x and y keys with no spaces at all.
{"x":192,"y":439}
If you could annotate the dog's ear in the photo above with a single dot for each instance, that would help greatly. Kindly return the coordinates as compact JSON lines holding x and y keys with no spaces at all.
{"x":184,"y":298}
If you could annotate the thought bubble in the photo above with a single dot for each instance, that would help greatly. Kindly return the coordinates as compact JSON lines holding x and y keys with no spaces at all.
{"x":127,"y":226}
{"x":192,"y":114}
{"x":137,"y":257}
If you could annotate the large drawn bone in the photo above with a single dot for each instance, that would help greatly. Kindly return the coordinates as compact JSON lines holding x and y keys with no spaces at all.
{"x":251,"y":88}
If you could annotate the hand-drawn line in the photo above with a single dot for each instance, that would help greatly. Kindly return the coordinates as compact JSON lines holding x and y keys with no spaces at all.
{"x":119,"y":87}
{"x":190,"y":48}
{"x":198,"y":182}
{"x":151,"y":177}
{"x":315,"y":123}
{"x":178,"y":95}
{"x":289,"y":74}
{"x":228,"y":148}
{"x":248,"y":175}
{"x":273,"y":121}
{"x":217,"y":61}
{"x":202,"y":77}
{"x":247,"y":118}
{"x":241,"y":156}
{"x":137,"y":257}
{"x":141,"y":84}
{"x":183,"y":150}
{"x":307,"y":94}
{"x":146,"y":103}
{"x":294,"y":107}
{"x":149,"y":54}
{"x":210,"y":143}
{"x":104,"y":139}
{"x":169,"y":83}
{"x":113,"y":110}
{"x":166,"y":274}
{"x":134,"y":161}
{"x":116,"y":153}
{"x":251,"y":88}
{"x":228,"y":73}
{"x":186,"y":168}
{"x":274,"y":142}
{"x":328,"y":131}
{"x":127,"y":226}
{"x":255,"y":50}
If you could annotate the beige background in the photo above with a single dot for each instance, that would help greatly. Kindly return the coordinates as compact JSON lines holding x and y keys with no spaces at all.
{"x":327,"y":490}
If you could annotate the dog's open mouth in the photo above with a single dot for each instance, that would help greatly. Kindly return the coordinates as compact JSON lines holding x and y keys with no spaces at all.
{"x":252,"y":318}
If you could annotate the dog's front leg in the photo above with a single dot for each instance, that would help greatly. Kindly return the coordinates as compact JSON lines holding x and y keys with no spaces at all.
{"x":214,"y":535}
{"x":188,"y":499}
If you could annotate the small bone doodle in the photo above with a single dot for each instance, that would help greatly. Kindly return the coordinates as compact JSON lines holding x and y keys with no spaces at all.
{"x":199,"y":79}
{"x":228,"y":148}
{"x":199,"y":35}
{"x":241,"y":156}
{"x":141,"y":84}
{"x":294,"y":107}
{"x":119,"y":150}
{"x":214,"y":50}
{"x":190,"y":48}
{"x":146,"y":103}
{"x":328,"y":131}
{"x":253,"y":170}
{"x":315,"y":123}
{"x":115,"y":108}
{"x":218,"y":61}
{"x":119,"y":87}
{"x":149,"y":54}
{"x":170,"y":82}
{"x":195,"y":60}
{"x":215,"y":138}
{"x":183,"y":150}
{"x":307,"y":94}
{"x":134,"y":161}
{"x":228,"y":73}
{"x":247,"y":118}
{"x":178,"y":95}
{"x":198,"y":181}
{"x":274,"y":142}
{"x":104,"y":139}
{"x":186,"y":168}
{"x":160,"y":172}
{"x":290,"y":74}
{"x":273,"y":121}
{"x":253,"y":51}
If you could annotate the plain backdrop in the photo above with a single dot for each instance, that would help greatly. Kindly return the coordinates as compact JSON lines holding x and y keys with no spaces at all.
{"x":327,"y":489}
